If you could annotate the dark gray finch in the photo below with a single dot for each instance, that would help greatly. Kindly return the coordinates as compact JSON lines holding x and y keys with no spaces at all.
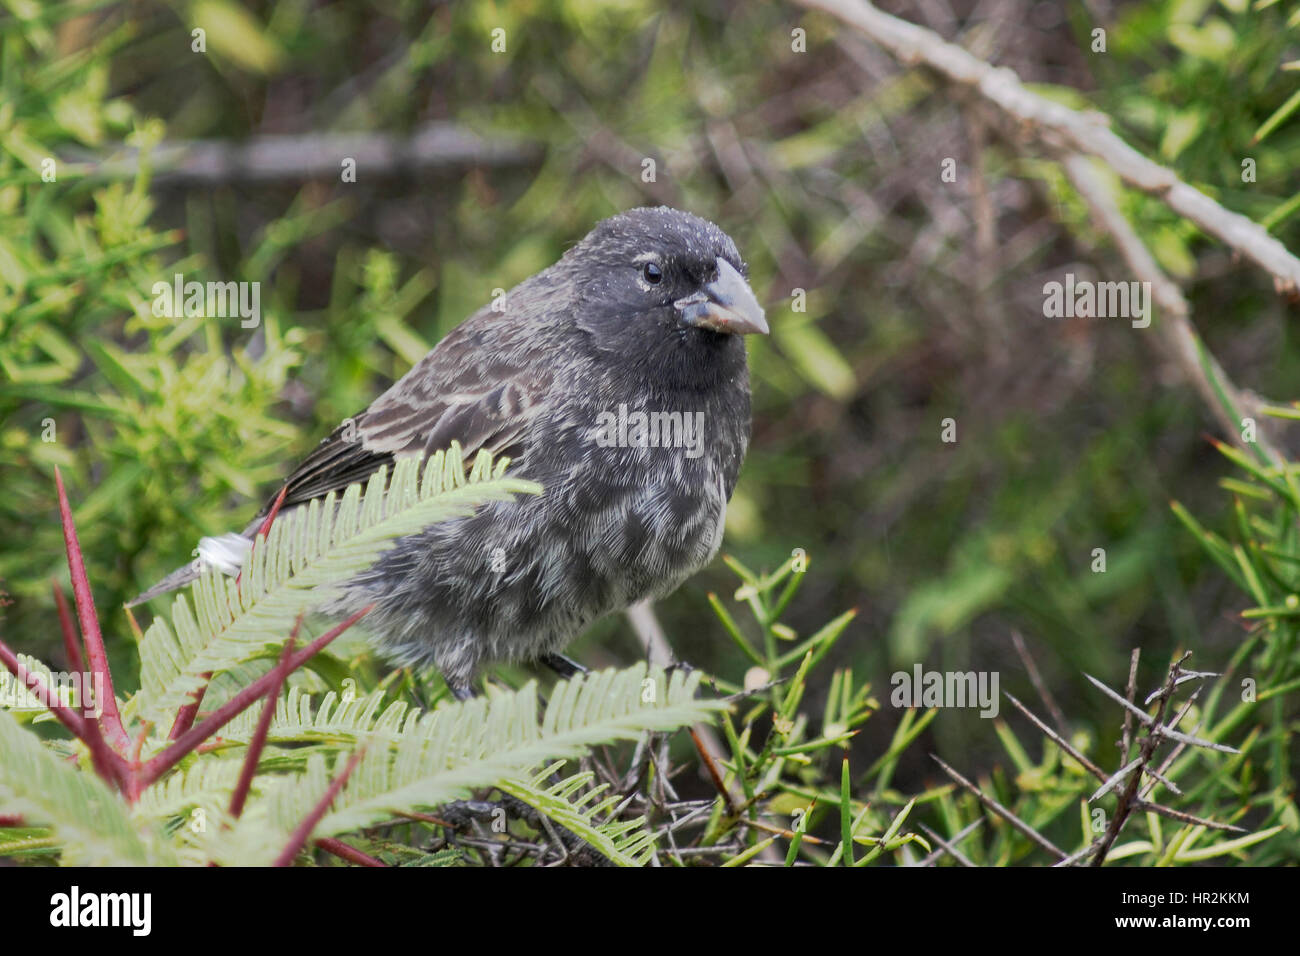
{"x":617,"y":379}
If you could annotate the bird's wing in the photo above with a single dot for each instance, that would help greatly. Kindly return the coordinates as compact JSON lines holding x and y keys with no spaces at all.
{"x":483,"y":406}
{"x":481,"y":387}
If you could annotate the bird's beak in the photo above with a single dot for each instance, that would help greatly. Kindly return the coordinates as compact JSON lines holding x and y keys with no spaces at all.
{"x":724,"y":305}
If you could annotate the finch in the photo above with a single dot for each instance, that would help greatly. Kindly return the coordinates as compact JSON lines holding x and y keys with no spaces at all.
{"x":617,"y":379}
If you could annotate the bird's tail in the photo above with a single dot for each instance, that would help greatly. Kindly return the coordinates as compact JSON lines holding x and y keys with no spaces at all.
{"x":226,"y":553}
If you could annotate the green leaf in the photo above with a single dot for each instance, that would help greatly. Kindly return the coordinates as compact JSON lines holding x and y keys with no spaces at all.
{"x":90,"y":820}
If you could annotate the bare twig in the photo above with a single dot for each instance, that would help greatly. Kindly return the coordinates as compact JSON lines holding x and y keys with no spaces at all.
{"x":950,"y":847}
{"x":1057,"y":739}
{"x":1035,"y":678}
{"x":312,"y":156}
{"x":1024,"y":828}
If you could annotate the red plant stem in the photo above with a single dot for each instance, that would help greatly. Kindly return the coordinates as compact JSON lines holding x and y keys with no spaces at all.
{"x":275,"y":510}
{"x":299,"y":837}
{"x":109,"y":764}
{"x":110,"y":770}
{"x":111,"y":720}
{"x":258,"y":743}
{"x":185,"y":716}
{"x":66,"y":716}
{"x":265,"y":529}
{"x":349,"y":853}
{"x":71,"y":643}
{"x":160,"y":763}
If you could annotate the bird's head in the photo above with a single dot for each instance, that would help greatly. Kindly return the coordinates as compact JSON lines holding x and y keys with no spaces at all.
{"x":662,"y":277}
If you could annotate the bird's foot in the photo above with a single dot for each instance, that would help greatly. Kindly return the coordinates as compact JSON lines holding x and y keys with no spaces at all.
{"x":564,"y":666}
{"x":461,"y":690}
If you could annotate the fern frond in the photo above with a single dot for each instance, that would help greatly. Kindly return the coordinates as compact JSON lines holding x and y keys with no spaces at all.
{"x":445,"y":754}
{"x":626,"y":842}
{"x":334,"y":720}
{"x":90,"y":820}
{"x":206,"y":785}
{"x":309,"y":552}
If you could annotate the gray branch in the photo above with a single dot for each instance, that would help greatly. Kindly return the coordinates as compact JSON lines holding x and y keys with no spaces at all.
{"x":313,"y":156}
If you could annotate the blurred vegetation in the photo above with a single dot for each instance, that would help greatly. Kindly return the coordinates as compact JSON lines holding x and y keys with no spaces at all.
{"x":824,"y":166}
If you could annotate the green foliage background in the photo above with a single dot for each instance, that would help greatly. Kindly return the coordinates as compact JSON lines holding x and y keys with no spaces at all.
{"x":825,"y":168}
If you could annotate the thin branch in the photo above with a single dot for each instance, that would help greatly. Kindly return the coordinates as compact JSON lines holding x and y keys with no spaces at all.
{"x":1127,"y":798}
{"x":1144,"y":806}
{"x":1040,"y":685}
{"x":436,"y":145}
{"x":951,"y":847}
{"x":1153,"y":723}
{"x":1126,"y":741}
{"x":1057,"y":739}
{"x":1002,"y":811}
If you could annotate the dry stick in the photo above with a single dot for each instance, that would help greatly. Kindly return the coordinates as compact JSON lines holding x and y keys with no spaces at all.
{"x":1002,"y":811}
{"x":1127,"y":739}
{"x":1182,"y":816}
{"x":658,"y":652}
{"x":1146,"y":750}
{"x":1035,"y":678}
{"x":298,"y":839}
{"x":711,"y":765}
{"x":258,"y":742}
{"x":1077,"y":855}
{"x":312,"y":155}
{"x":948,"y":847}
{"x":1057,"y":739}
{"x":1064,"y":130}
{"x":90,"y":633}
{"x":1165,"y":730}
{"x":648,"y":630}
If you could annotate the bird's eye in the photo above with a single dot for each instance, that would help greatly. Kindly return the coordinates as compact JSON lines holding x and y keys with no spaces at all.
{"x":653,"y":274}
